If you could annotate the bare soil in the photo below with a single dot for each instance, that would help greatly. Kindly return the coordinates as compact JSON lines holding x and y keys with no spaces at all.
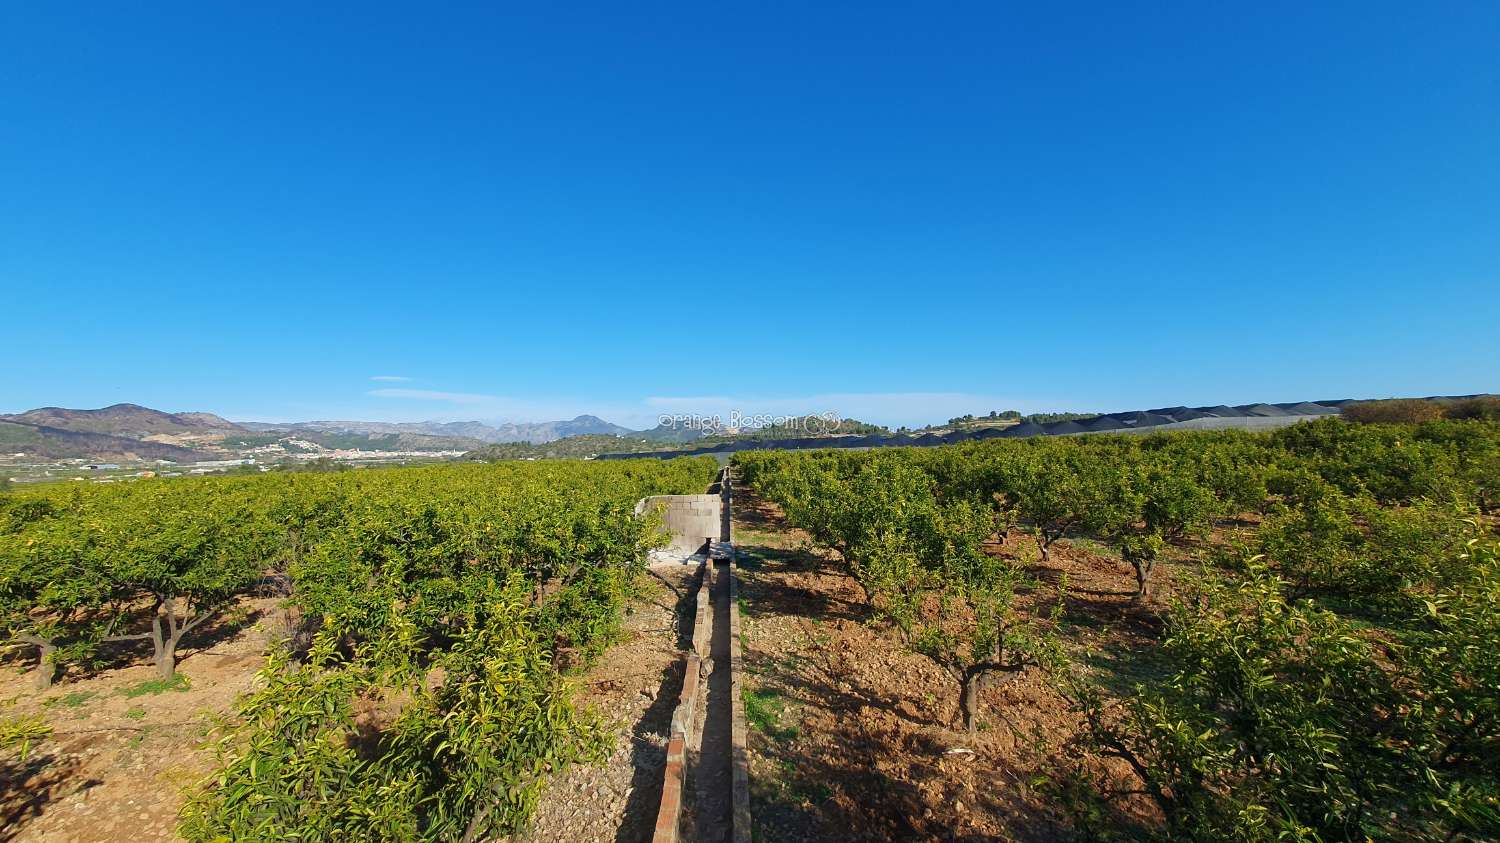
{"x":124,"y":751}
{"x":855,"y":737}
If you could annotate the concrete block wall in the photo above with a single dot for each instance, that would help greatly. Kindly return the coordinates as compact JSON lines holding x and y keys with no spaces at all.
{"x":691,"y":519}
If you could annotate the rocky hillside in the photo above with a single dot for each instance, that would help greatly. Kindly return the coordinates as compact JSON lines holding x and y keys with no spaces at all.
{"x":52,"y":443}
{"x":132,"y":433}
{"x":128,"y":420}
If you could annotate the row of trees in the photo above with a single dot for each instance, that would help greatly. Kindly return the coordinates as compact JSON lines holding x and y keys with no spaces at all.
{"x":421,"y":696}
{"x":1329,"y":669}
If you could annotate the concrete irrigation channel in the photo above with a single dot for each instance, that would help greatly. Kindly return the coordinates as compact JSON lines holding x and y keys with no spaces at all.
{"x":705,"y":795}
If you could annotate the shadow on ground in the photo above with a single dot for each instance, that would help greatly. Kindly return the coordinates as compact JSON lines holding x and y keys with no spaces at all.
{"x":26,"y":788}
{"x":837,"y":788}
{"x":838,"y":784}
{"x":648,"y":735}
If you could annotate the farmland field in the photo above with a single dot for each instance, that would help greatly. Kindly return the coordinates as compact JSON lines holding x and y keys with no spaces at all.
{"x":755,"y":423}
{"x":381,"y":654}
{"x":1187,"y":635}
{"x":1211,"y":636}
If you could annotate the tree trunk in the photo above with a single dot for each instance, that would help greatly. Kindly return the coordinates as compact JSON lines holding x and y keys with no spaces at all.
{"x":166,"y":661}
{"x":46,"y":666}
{"x":853,"y":570}
{"x":164,"y":638}
{"x":167,"y":633}
{"x":843,"y":558}
{"x":1142,"y":576}
{"x":968,"y":700}
{"x":158,"y":643}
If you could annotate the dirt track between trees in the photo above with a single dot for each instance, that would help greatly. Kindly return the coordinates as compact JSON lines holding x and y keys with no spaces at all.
{"x":853,"y":737}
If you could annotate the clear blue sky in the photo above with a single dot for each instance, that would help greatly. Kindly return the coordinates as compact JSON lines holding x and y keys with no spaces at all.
{"x":895,"y":211}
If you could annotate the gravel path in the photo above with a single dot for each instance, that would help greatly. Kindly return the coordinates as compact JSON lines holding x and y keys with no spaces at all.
{"x":635,"y":685}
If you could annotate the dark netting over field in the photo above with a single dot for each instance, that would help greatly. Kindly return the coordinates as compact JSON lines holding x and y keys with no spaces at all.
{"x":1263,"y":410}
{"x":1024,"y":429}
{"x":1057,"y":428}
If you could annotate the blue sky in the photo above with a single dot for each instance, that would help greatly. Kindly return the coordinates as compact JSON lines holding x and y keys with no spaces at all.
{"x":896,"y":212}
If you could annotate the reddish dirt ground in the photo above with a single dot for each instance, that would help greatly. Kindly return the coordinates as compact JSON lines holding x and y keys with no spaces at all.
{"x":854,"y":737}
{"x":122,"y":755}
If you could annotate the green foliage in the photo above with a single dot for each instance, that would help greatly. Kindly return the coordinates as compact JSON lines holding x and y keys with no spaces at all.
{"x":1484,"y":407}
{"x":472,"y":732}
{"x":1394,"y":464}
{"x":1048,"y":418}
{"x":1016,"y":415}
{"x":1282,"y":720}
{"x":1393,"y":411}
{"x":919,"y":560}
{"x":1350,"y":547}
{"x":178,"y":682}
{"x":1335,"y":680}
{"x":1173,"y":503}
{"x":568,"y":447}
{"x":764,"y":709}
{"x":74,"y":699}
{"x":23,"y":733}
{"x":423,"y":696}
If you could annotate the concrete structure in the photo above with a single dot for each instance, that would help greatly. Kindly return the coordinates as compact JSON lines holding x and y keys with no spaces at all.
{"x":706,"y":782}
{"x":693,"y":520}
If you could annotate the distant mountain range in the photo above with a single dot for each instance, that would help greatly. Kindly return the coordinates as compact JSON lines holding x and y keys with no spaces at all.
{"x":130,"y":420}
{"x":132,"y":433}
{"x":123,"y":431}
{"x":129,"y":432}
{"x":493,"y":434}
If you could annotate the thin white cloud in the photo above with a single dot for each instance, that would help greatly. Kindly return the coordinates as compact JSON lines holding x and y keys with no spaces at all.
{"x":390,"y":378}
{"x":467,"y":398}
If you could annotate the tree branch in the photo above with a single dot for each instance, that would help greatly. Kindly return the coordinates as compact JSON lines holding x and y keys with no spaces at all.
{"x":206,"y":614}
